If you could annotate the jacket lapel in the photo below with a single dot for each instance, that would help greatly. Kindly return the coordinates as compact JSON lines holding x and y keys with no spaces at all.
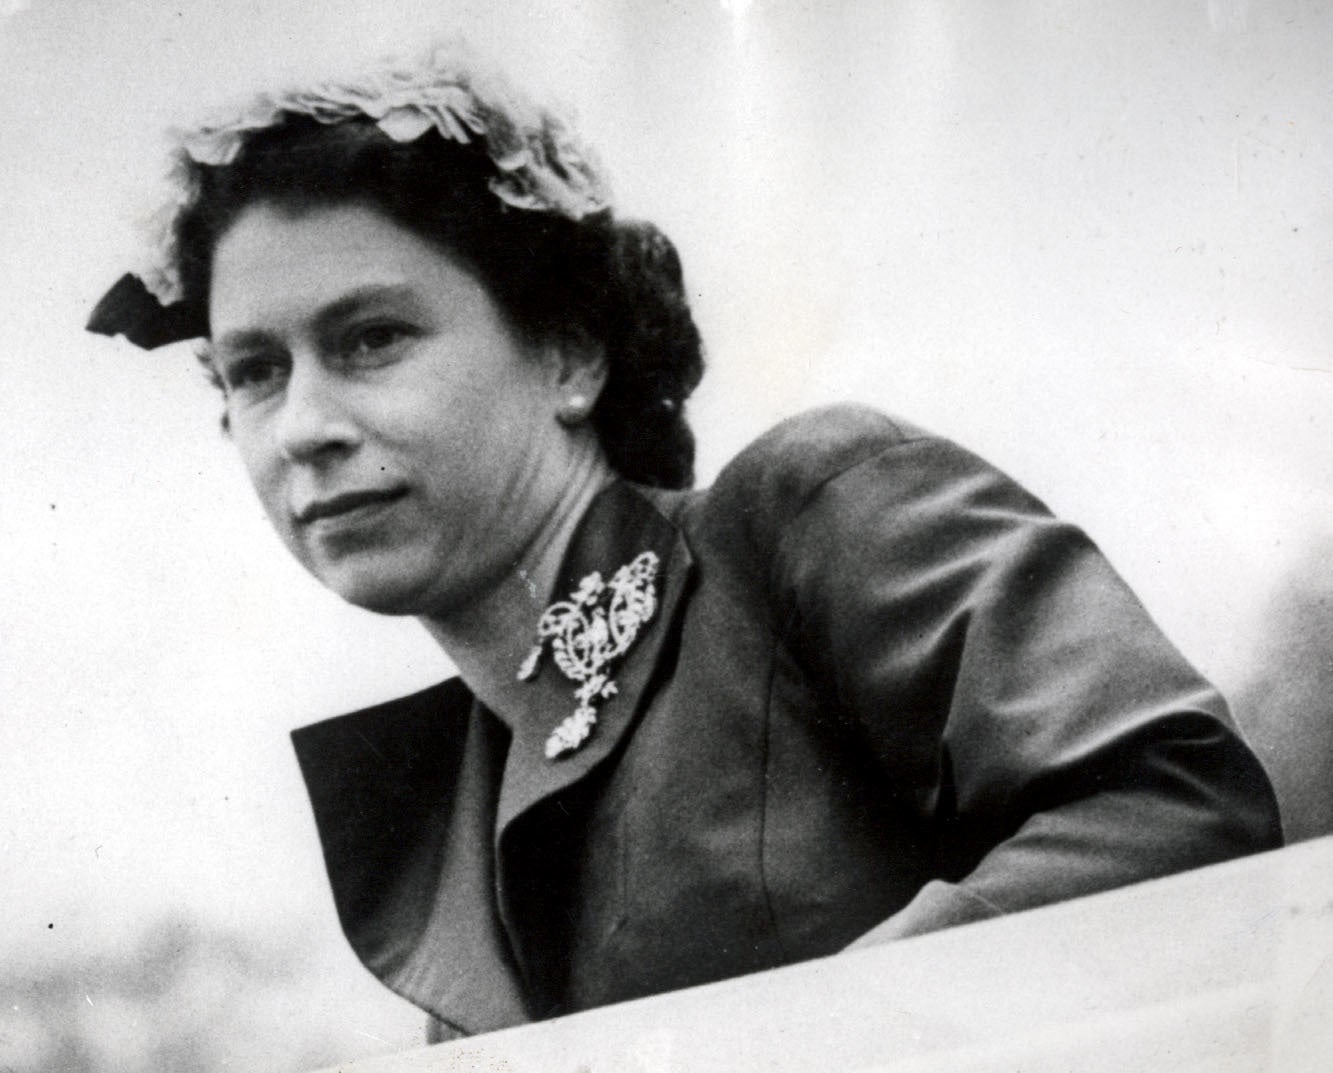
{"x":621,"y":523}
{"x":404,"y":796}
{"x":534,"y":845}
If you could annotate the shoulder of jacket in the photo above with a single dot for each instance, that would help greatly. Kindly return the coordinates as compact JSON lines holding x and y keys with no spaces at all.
{"x":788,"y":464}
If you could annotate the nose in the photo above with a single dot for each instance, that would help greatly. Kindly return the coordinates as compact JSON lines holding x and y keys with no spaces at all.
{"x":314,"y":421}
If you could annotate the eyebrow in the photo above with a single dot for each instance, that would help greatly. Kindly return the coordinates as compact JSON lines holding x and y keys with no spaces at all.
{"x":339,"y":309}
{"x":349,"y":303}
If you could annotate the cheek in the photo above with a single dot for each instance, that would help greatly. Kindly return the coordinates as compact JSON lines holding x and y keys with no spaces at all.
{"x":259,"y":465}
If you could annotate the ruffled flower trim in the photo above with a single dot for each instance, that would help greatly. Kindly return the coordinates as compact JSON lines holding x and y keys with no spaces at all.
{"x":543,"y":165}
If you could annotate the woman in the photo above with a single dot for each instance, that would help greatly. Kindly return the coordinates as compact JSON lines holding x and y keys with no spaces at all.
{"x":862,"y":688}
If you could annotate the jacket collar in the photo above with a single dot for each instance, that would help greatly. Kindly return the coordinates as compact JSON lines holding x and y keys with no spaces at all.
{"x":418,"y":801}
{"x":404,"y":798}
{"x":621,"y":523}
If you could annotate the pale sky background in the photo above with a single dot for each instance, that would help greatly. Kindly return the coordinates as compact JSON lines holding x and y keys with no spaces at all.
{"x":1093,"y":242}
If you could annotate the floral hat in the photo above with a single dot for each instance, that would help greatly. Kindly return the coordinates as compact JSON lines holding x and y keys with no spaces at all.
{"x":541,"y":164}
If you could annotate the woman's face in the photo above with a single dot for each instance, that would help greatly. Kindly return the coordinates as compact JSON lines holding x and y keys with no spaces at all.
{"x":401,"y":435}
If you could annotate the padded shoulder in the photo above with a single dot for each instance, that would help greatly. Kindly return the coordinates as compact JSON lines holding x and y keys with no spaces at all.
{"x":791,"y":461}
{"x":777,"y":475}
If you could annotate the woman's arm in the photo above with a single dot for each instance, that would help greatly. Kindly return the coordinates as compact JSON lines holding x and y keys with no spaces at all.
{"x":1015,"y":693}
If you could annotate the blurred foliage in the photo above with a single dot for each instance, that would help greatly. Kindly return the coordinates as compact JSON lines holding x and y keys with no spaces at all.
{"x":185,"y":998}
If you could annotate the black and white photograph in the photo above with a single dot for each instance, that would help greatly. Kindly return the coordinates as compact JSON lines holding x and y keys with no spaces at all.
{"x":713,"y":535}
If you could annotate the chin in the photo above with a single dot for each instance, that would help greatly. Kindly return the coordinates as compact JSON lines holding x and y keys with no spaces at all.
{"x":375,"y":591}
{"x":381,"y":603}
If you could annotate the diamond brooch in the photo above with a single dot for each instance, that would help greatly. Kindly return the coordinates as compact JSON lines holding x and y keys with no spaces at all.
{"x":588,"y":634}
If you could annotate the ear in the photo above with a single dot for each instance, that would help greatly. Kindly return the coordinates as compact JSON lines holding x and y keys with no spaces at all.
{"x":578,"y":368}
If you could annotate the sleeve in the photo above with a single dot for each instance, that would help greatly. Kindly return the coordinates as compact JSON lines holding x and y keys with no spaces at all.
{"x":1012,"y":690}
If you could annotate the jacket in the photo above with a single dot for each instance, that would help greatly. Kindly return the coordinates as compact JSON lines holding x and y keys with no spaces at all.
{"x":884,"y":692}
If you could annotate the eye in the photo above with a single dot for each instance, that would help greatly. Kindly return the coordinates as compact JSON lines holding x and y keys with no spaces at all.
{"x":255,"y":373}
{"x":375,"y":341}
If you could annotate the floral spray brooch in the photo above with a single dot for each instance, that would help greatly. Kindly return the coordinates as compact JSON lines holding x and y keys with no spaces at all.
{"x":588,"y":634}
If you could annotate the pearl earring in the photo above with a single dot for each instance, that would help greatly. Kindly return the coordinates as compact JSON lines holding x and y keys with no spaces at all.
{"x":573,"y":411}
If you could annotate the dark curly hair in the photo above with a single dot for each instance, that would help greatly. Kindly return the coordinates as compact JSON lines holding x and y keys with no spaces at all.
{"x":616,"y":285}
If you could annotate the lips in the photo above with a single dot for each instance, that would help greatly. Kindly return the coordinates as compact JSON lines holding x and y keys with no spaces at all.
{"x":348,"y":503}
